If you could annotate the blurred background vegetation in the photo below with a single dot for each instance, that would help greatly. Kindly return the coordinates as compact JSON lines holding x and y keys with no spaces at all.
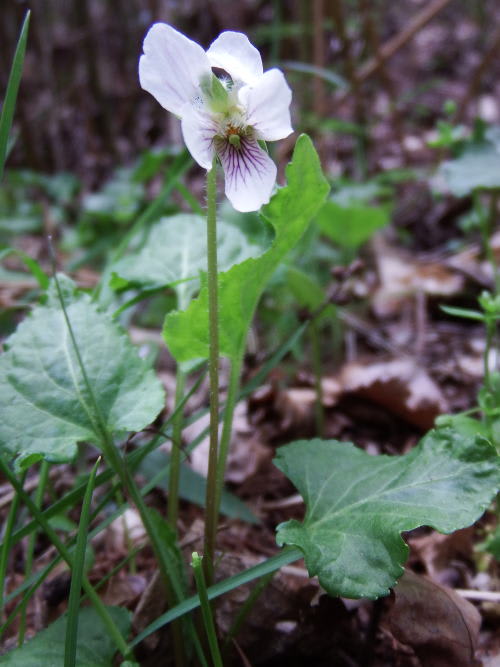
{"x":370,"y":78}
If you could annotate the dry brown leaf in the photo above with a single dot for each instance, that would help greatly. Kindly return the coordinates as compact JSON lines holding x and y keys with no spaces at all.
{"x":124,"y":590}
{"x":295,"y":407}
{"x":125,"y":531}
{"x":150,"y":606}
{"x":438,"y":553}
{"x":401,"y":277}
{"x":472,"y":263}
{"x":399,"y":385}
{"x":247,"y":453}
{"x":440,"y":626}
{"x":296,"y":404}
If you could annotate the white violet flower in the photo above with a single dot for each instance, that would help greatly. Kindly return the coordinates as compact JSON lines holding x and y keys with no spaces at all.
{"x":227,"y":114}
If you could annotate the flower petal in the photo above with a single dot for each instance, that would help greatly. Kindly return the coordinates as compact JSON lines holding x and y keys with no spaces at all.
{"x":267,"y":105}
{"x":234,"y":53}
{"x":249,"y":171}
{"x":172,"y":67}
{"x":198,"y":130}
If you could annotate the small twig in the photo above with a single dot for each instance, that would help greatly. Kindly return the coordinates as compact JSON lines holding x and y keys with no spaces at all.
{"x":420,"y":322}
{"x":373,"y":41}
{"x":476,"y":76}
{"x":397,"y":42}
{"x":337,"y":9}
{"x":319,"y":57}
{"x":283,"y":502}
{"x":294,"y":571}
{"x":484,"y":596}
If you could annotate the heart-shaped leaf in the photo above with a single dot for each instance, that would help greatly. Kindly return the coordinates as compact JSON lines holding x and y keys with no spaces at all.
{"x":46,"y":406}
{"x":349,"y":226}
{"x":95,"y":648}
{"x":289,"y":212}
{"x":175,"y":251}
{"x":477,"y":167}
{"x":358,"y":505}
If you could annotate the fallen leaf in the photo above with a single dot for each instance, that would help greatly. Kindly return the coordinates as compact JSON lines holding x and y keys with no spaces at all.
{"x":401,"y":277}
{"x":399,"y":385}
{"x":440,"y":626}
{"x":126,"y":531}
{"x":123,"y":591}
{"x":439,"y":553}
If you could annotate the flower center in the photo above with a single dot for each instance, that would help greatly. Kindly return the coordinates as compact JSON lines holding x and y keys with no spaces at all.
{"x":233,"y":135}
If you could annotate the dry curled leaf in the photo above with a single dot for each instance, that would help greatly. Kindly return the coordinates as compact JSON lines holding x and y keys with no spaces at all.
{"x":399,"y":385}
{"x":439,"y":553}
{"x":402,"y":277}
{"x":440,"y":626}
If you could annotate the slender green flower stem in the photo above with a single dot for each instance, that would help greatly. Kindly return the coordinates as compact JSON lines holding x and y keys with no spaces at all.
{"x":490,"y":226}
{"x":4,"y":554}
{"x":175,"y":456}
{"x":490,"y":335}
{"x":319,"y":412}
{"x":486,"y":221}
{"x":225,"y":441}
{"x":213,"y":369}
{"x":30,"y":550}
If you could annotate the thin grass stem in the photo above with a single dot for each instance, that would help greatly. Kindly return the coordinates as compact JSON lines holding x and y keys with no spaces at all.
{"x":212,"y":514}
{"x":206,"y":610}
{"x":30,"y":549}
{"x":100,"y":608}
{"x":9,"y":104}
{"x":175,"y":456}
{"x":77,"y":571}
{"x":6,"y":549}
{"x":319,"y":412}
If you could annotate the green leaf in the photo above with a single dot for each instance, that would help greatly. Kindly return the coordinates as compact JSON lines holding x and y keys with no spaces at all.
{"x":466,"y":313}
{"x":492,"y":544}
{"x":32,"y":264}
{"x":9,"y":103}
{"x":192,"y":486}
{"x":94,"y":648}
{"x":175,"y":251}
{"x":240,"y":288}
{"x":352,"y":225}
{"x":477,"y":167}
{"x":119,"y":199}
{"x":351,"y":194}
{"x":170,"y":553}
{"x":45,"y":391}
{"x":305,"y":289}
{"x":328,"y":75}
{"x":358,"y":505}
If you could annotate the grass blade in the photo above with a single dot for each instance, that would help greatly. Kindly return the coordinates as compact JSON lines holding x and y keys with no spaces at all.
{"x":34,"y":267}
{"x":30,"y":549}
{"x":7,"y":543}
{"x":206,"y":610}
{"x":284,"y":557}
{"x":327,"y":75}
{"x":99,"y":606}
{"x":77,"y":573}
{"x":9,"y":103}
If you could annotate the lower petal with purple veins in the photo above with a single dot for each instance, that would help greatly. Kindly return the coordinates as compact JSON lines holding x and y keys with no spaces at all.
{"x":249,"y":172}
{"x":198,"y":130}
